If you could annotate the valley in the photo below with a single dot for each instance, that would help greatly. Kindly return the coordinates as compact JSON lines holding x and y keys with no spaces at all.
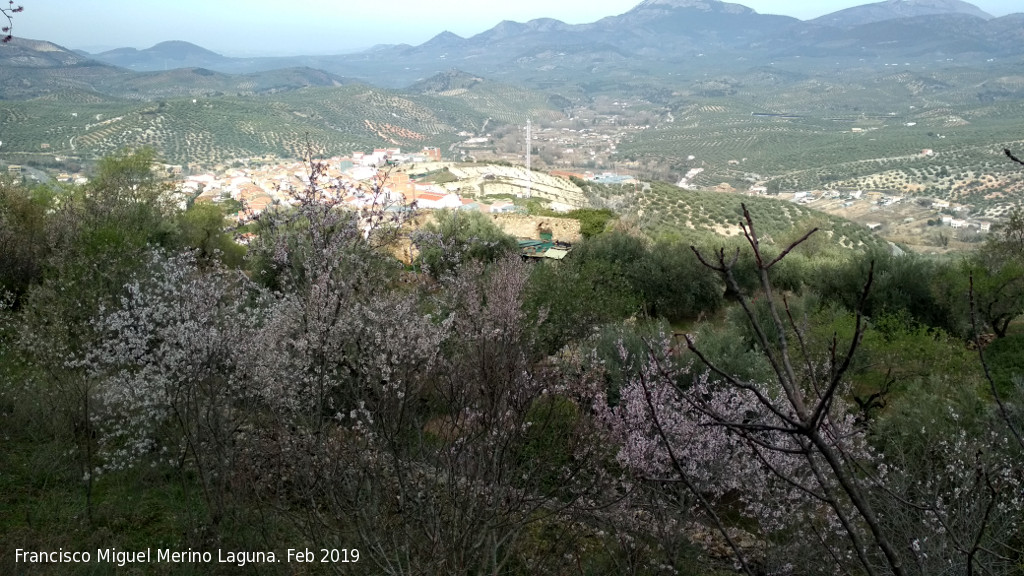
{"x":770,"y":131}
{"x":684,"y":290}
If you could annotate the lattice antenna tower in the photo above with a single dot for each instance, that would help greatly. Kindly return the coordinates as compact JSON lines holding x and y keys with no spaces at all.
{"x":529,"y":154}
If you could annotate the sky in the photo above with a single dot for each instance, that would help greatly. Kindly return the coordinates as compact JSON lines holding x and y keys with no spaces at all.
{"x":268,"y":27}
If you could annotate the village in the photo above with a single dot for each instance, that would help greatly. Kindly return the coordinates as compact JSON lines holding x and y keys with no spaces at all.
{"x":404,"y":185}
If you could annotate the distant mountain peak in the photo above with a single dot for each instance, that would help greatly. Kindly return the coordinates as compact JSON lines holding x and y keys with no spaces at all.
{"x":893,"y":9}
{"x":182,"y":49}
{"x":28,"y":53}
{"x":704,"y":5}
{"x":443,"y":40}
{"x":446,"y":35}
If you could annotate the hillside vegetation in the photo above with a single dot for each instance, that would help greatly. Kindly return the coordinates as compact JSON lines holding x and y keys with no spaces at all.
{"x":650,"y":404}
{"x":211,"y":129}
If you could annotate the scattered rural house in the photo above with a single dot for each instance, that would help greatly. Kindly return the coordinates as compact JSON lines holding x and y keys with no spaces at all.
{"x":502,"y":208}
{"x":362,"y":173}
{"x":546,"y":247}
{"x":259,"y":204}
{"x":435,"y":201}
{"x":873,"y":225}
{"x":556,"y":253}
{"x":927,"y":152}
{"x":948,"y":220}
{"x":759,"y":190}
{"x":956,"y":223}
{"x":940,"y":204}
{"x":986,"y":226}
{"x":400,"y":183}
{"x":419,"y":189}
{"x":432,"y":154}
{"x":370,"y":160}
{"x":567,"y":175}
{"x":613,"y":178}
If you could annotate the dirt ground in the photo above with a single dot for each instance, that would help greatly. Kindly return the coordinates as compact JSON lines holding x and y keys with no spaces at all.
{"x":521,"y":226}
{"x":518,"y":225}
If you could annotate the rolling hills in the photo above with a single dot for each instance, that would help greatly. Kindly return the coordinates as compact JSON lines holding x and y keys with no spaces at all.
{"x":669,"y":87}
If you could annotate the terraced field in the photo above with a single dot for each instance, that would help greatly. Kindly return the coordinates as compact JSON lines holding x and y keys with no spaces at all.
{"x":515,"y":181}
{"x":865,"y":129}
{"x":666,"y":210}
{"x":502,"y":103}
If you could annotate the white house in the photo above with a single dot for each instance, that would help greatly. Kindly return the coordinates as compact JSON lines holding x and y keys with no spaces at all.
{"x":502,"y":208}
{"x":433,"y":201}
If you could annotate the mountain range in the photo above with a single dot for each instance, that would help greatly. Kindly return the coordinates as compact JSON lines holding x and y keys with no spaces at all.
{"x":654,"y":46}
{"x":678,"y":84}
{"x":646,"y":39}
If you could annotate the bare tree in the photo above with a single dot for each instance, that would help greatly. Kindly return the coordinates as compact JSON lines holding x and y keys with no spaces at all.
{"x":805,"y":411}
{"x":9,"y":13}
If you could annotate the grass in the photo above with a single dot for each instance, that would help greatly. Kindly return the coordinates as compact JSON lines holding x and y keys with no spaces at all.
{"x":43,"y":505}
{"x":1005,"y":361}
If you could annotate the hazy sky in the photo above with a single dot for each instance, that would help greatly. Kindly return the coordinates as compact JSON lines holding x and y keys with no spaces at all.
{"x":241,"y":27}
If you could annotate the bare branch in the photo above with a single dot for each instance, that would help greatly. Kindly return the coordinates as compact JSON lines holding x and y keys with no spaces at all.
{"x":1012,"y":157}
{"x":858,"y":335}
{"x":8,"y":13}
{"x":790,"y":248}
{"x":803,"y":346}
{"x":765,"y":401}
{"x":652,"y":410}
{"x":722,"y":267}
{"x":984,"y":364}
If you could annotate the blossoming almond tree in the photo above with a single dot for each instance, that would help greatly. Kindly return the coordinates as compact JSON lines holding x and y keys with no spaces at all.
{"x":413,"y":421}
{"x":801,"y":465}
{"x":169,"y":386}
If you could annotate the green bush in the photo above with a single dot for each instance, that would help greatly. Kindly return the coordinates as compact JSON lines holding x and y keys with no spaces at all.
{"x":592,"y":222}
{"x":457,"y":235}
